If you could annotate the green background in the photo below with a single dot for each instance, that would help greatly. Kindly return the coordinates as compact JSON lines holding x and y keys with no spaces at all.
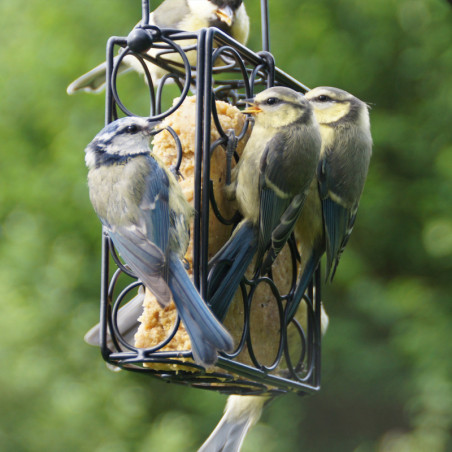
{"x":387,"y":357}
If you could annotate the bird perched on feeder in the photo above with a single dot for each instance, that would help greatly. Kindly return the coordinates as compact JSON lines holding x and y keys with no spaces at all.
{"x":146,"y":215}
{"x":330,"y":210}
{"x":186,"y":15}
{"x":269,"y":184}
{"x":324,"y":225}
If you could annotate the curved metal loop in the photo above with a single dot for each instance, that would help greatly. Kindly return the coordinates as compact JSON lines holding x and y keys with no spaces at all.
{"x":114,"y":76}
{"x":300,"y":366}
{"x":124,"y":268}
{"x":163,"y":80}
{"x":280,"y":351}
{"x":228,"y":222}
{"x":176,"y":167}
{"x":118,"y":337}
{"x":246,"y":324}
{"x":235,"y":57}
{"x":114,"y":316}
{"x":155,"y":109}
{"x":236,"y":217}
{"x":270,"y":66}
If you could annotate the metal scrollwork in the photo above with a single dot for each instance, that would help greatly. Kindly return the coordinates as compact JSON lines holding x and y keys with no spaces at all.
{"x":229,"y":71}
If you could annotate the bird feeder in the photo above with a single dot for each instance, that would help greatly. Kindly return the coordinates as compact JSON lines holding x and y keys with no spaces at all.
{"x":227,"y":71}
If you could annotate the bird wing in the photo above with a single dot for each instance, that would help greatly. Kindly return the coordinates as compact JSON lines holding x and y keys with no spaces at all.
{"x":155,"y":205}
{"x":145,"y":259}
{"x":338,"y":217}
{"x":170,"y":13}
{"x":143,"y":243}
{"x":228,"y":266}
{"x":279,"y":209}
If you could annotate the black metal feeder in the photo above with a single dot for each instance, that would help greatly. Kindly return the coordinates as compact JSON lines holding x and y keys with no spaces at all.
{"x":241,"y":73}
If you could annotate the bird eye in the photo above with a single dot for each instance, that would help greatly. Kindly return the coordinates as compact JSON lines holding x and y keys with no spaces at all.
{"x":323,"y":98}
{"x":132,"y":129}
{"x":272,"y":101}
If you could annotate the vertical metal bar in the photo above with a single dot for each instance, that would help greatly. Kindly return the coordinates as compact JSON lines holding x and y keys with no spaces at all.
{"x":108,"y":91}
{"x":145,"y":12}
{"x":105,"y":269}
{"x":104,"y":301}
{"x":207,"y":120}
{"x":265,"y":26}
{"x":318,"y":327}
{"x":198,"y":154}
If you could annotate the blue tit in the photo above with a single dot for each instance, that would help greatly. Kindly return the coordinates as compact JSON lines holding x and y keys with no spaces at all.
{"x":188,"y":15}
{"x":330,"y":210}
{"x":240,"y":414}
{"x":146,"y":215}
{"x":243,"y":411}
{"x":269,"y":184}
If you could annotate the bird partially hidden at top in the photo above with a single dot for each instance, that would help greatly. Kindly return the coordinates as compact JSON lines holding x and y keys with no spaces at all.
{"x":186,"y":15}
{"x":145,"y":213}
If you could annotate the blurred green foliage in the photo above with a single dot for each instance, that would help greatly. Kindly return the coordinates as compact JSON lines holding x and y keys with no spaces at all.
{"x":387,"y":357}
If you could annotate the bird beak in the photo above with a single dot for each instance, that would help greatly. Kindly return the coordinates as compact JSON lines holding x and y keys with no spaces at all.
{"x":252,"y":109}
{"x":225,"y":14}
{"x":154,"y":127}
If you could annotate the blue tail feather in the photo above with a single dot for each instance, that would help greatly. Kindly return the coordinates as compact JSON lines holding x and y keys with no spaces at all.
{"x":305,"y":279}
{"x":206,"y":333}
{"x":228,"y":267}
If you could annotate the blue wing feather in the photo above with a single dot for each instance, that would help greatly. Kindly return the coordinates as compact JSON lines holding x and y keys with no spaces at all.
{"x":145,"y":259}
{"x":338,"y":222}
{"x":228,"y":267}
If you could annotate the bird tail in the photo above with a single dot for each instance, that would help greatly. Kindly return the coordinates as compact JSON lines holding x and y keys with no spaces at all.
{"x":127,"y":322}
{"x":228,"y":267}
{"x":308,"y":272}
{"x":207,"y":335}
{"x":241,"y":413}
{"x":94,"y":80}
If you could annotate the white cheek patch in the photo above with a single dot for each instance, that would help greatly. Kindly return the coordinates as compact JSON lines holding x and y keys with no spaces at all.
{"x":329,"y":112}
{"x":90,"y":159}
{"x":323,"y":105}
{"x":202,"y":9}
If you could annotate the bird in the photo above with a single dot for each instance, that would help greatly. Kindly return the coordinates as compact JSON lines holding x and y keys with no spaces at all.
{"x":324,"y":226}
{"x":243,"y":411}
{"x":269,"y":185}
{"x":147,"y":217}
{"x":186,"y":15}
{"x":240,"y":414}
{"x":331,"y":206}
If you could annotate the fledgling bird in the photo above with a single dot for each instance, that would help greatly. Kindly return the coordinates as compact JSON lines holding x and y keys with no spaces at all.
{"x":269,"y":184}
{"x":188,"y":15}
{"x":330,"y":210}
{"x":324,"y":225}
{"x":243,"y":411}
{"x":146,"y":215}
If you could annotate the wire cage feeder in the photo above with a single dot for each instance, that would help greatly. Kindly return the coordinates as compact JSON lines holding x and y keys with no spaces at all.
{"x":225,"y":70}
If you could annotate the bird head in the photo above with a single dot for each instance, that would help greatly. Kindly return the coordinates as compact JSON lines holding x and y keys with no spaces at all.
{"x":120,"y":139}
{"x":333,"y":106}
{"x":279,"y":107}
{"x":221,"y":11}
